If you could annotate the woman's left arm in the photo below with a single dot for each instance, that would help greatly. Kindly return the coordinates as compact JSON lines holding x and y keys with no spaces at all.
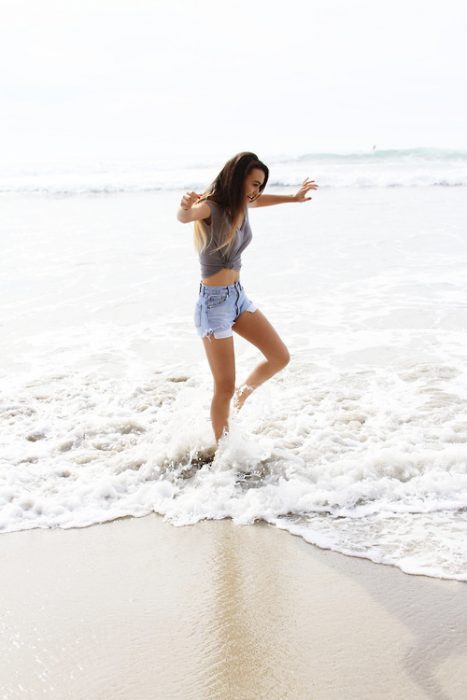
{"x":265,"y":200}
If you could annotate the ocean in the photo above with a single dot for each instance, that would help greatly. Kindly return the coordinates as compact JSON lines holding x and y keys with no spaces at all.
{"x":359,"y":445}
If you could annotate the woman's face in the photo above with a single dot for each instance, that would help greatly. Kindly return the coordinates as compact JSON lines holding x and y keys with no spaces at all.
{"x":253,"y":182}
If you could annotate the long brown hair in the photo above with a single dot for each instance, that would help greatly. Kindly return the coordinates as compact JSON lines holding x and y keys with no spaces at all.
{"x":227,"y":191}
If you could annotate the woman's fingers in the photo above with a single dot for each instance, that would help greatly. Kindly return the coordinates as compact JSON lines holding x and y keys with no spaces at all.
{"x":194,"y":196}
{"x":189,"y":198}
{"x":305,"y":187}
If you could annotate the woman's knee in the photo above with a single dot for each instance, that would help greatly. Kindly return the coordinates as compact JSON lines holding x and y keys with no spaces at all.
{"x":281,"y":358}
{"x":224,"y":389}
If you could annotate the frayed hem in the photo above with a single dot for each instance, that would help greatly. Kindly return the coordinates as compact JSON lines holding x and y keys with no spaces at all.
{"x":210,"y":334}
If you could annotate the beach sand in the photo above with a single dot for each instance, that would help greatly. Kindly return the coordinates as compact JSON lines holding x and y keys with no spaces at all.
{"x":137,"y":608}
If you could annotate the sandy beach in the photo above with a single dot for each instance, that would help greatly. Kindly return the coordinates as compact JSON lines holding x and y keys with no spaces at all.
{"x":137,"y":608}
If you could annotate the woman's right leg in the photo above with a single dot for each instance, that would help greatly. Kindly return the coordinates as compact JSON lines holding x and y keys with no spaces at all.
{"x":221,"y":358}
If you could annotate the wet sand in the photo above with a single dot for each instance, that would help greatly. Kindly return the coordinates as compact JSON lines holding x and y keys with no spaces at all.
{"x":139,"y":609}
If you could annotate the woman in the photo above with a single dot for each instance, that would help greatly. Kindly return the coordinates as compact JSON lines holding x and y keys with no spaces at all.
{"x":222,"y":232}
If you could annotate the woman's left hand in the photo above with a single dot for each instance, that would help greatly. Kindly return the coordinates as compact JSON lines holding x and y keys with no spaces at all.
{"x":307,"y":185}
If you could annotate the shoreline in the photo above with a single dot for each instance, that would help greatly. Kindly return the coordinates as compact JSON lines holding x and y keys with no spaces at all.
{"x":139,"y":608}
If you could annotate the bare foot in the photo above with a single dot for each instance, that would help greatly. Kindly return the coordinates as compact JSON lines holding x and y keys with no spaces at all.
{"x":241,"y":395}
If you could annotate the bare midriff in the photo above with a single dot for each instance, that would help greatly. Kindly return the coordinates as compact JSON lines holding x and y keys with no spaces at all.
{"x":222,"y":278}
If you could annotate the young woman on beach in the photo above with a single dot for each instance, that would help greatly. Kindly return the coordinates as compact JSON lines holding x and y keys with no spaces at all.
{"x":221,"y":233}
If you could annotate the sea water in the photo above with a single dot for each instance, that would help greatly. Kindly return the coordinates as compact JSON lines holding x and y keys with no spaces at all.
{"x":359,"y":445}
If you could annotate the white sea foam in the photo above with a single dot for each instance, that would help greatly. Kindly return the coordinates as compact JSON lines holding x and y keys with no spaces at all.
{"x":354,"y":460}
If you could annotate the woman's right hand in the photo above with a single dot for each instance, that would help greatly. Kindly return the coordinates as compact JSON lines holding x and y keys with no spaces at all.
{"x":188,"y":199}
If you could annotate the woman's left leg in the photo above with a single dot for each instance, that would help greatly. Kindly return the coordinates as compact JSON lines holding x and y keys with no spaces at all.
{"x":256,"y":328}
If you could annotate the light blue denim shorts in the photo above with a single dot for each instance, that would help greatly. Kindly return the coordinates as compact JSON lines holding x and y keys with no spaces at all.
{"x":218,"y":308}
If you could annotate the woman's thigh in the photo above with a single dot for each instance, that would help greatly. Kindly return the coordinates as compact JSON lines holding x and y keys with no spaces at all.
{"x":256,"y":328}
{"x":221,"y":358}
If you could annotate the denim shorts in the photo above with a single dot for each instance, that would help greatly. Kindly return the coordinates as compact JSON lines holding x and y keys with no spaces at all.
{"x":218,"y":308}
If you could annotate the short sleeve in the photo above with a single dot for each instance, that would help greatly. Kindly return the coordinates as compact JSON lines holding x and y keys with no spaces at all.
{"x":213,"y":206}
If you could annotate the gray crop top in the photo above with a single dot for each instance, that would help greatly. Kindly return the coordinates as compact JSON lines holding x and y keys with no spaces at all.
{"x":211,"y":260}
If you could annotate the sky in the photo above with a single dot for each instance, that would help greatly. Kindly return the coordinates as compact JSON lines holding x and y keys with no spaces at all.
{"x":139,"y":78}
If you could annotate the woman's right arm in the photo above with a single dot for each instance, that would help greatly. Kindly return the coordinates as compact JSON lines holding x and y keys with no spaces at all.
{"x":189,"y":211}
